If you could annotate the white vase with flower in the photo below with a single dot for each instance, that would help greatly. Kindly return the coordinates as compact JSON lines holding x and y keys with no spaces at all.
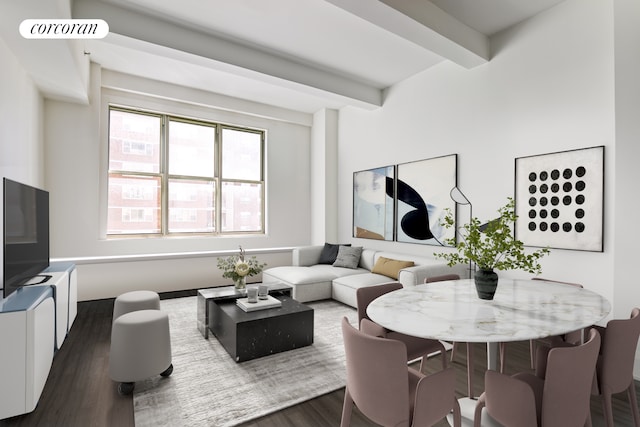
{"x":238,"y":268}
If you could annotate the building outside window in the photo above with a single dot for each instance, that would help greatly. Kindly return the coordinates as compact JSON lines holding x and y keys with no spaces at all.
{"x":172,"y":175}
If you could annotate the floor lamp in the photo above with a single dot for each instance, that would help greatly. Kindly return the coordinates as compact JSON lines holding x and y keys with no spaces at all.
{"x":459,"y":198}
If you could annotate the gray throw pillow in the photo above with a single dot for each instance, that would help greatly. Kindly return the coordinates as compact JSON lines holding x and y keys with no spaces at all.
{"x":329,"y":253}
{"x":348,"y":256}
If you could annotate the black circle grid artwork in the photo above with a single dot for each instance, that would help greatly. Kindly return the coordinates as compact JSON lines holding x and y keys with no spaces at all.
{"x":567,"y":186}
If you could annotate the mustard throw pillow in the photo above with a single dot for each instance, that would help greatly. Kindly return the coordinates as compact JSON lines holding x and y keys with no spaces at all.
{"x":390,"y":267}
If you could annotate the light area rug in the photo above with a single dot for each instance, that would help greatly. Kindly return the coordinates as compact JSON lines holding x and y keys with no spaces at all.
{"x":208,"y":388}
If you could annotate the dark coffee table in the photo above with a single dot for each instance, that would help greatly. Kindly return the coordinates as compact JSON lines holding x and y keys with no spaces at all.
{"x":249,"y":335}
{"x":222,"y":293}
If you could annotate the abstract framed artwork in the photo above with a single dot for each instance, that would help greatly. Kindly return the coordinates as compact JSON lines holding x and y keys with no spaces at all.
{"x":560,"y":199}
{"x":422,"y":195}
{"x":373,"y":212}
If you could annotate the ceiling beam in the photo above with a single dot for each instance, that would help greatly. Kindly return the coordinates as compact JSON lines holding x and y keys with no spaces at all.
{"x":120,"y":82}
{"x":59,"y":67}
{"x":230,"y":56}
{"x":426,"y":25}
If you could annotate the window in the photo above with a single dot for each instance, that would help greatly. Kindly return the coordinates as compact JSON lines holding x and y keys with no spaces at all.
{"x":170,"y":175}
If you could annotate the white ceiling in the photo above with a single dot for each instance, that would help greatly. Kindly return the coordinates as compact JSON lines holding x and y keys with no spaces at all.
{"x":492,"y":16}
{"x":303,"y":55}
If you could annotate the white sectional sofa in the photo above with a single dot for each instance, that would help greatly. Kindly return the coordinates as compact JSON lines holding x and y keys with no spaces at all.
{"x":312,"y":281}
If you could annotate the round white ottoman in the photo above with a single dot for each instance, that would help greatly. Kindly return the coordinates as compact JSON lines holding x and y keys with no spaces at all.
{"x":140,"y":348}
{"x":134,"y":301}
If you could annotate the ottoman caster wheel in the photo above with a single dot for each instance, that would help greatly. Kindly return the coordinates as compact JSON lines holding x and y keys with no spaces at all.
{"x":167,"y":371}
{"x":125,"y":388}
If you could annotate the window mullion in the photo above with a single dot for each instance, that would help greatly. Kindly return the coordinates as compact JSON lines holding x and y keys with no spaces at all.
{"x":164,"y":171}
{"x":218,"y":179}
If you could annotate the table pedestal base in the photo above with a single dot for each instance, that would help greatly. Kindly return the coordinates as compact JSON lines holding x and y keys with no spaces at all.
{"x":468,"y":408}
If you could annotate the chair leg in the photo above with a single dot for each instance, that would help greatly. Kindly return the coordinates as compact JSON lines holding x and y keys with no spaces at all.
{"x":477,"y":415}
{"x":457,"y":415}
{"x":443,"y":355}
{"x":607,"y":408}
{"x":347,"y":408}
{"x":532,"y":353}
{"x":633,"y":403}
{"x":453,"y":350}
{"x":469,"y":369}
{"x":503,"y":355}
{"x":469,"y":366}
{"x":588,"y":423}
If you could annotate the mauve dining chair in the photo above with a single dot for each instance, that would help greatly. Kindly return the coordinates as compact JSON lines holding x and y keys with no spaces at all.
{"x":614,"y":371}
{"x":557,"y":395}
{"x":416,"y":347}
{"x":386,"y":390}
{"x":573,"y":337}
{"x":454,"y":349}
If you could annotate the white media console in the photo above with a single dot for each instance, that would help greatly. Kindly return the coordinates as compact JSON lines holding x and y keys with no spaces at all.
{"x":34,"y":322}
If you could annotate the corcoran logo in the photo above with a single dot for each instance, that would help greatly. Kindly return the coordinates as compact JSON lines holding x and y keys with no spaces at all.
{"x":64,"y":28}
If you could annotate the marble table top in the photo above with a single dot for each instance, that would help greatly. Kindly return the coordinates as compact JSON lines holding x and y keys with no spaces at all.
{"x":520,"y":310}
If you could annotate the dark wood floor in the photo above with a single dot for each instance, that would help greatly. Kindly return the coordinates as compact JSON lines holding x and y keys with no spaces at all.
{"x":80,"y":393}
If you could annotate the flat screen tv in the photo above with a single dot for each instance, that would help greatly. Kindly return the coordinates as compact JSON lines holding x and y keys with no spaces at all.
{"x":25,"y":234}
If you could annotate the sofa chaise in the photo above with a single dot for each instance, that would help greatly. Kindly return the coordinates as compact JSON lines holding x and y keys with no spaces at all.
{"x":314,"y":277}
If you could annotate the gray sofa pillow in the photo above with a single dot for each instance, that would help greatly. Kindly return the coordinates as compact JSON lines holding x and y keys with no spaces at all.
{"x":348,"y":256}
{"x":330,"y":252}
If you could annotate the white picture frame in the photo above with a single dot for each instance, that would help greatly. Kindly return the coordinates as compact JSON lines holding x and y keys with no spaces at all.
{"x":560,"y":199}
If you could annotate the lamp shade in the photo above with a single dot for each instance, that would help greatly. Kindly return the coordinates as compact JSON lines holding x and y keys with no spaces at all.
{"x":458,"y":196}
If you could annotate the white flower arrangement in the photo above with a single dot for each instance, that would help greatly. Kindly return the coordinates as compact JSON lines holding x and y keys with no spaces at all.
{"x":237,"y":267}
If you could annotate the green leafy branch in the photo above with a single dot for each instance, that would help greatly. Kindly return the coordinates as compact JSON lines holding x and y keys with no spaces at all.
{"x":493,"y":245}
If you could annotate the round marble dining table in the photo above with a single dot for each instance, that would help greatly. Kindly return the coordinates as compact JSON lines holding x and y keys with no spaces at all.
{"x":521,"y":310}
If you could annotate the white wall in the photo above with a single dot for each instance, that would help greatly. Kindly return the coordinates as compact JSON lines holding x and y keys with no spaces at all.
{"x":21,"y":147}
{"x":549,"y":87}
{"x":566,"y":79}
{"x":627,"y":70}
{"x":76,"y":173}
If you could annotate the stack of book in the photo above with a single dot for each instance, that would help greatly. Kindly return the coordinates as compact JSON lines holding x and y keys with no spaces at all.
{"x":262,"y":304}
